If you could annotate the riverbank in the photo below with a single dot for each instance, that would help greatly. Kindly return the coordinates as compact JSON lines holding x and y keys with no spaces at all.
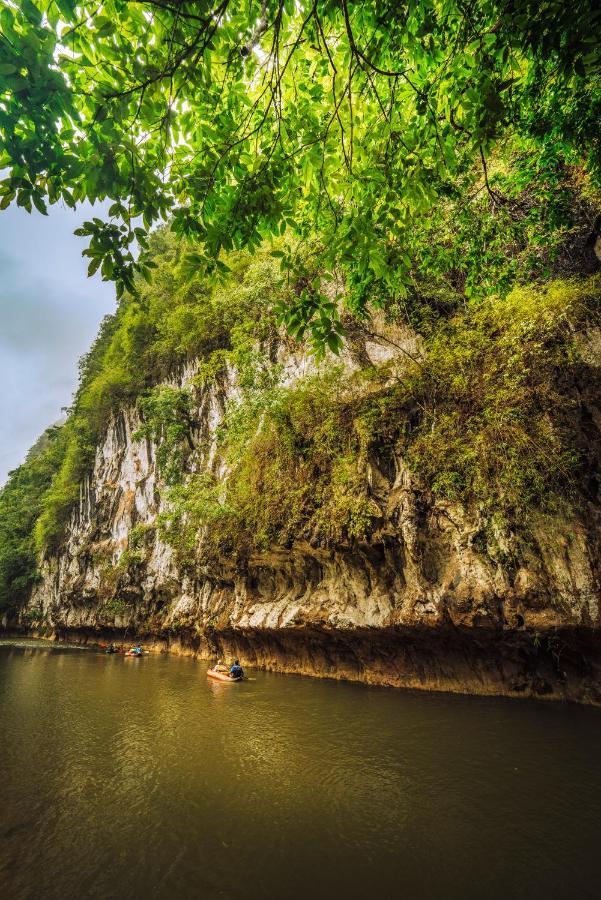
{"x":560,"y":665}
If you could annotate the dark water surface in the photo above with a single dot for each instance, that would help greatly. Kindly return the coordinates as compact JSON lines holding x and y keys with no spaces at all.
{"x":140,"y":778}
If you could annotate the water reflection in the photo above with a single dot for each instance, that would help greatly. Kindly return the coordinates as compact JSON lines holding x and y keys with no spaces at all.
{"x":144,"y":778}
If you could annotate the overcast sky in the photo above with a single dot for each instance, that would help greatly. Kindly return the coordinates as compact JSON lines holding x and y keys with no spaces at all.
{"x":49,"y":314}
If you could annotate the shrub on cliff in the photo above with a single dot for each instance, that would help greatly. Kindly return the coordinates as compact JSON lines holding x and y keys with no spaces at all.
{"x":504,"y":396}
{"x":493,"y":417}
{"x":20,"y":504}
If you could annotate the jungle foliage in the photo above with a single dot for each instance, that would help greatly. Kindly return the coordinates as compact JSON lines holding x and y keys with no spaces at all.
{"x":170,"y":322}
{"x":21,"y":502}
{"x":238,"y":122}
{"x":494,"y":417}
{"x":436,"y":161}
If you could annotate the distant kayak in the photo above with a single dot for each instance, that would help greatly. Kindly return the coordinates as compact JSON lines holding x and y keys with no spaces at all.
{"x":222,"y":676}
{"x":135,"y":655}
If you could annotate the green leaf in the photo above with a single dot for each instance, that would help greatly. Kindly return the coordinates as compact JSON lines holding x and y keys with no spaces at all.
{"x":31,"y":11}
{"x":67,"y":8}
{"x":39,"y":204}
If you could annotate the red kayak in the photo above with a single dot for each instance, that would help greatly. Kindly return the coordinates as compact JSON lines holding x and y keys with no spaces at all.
{"x":222,"y":676}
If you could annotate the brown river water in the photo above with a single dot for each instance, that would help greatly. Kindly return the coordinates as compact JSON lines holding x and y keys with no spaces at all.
{"x":124,"y":778}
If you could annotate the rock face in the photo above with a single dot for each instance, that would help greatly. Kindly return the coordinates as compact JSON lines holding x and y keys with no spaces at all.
{"x":433,"y":601}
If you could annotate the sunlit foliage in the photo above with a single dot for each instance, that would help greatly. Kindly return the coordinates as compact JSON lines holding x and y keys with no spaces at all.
{"x":241,"y":121}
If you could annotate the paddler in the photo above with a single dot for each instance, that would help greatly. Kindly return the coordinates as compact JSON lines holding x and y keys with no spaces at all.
{"x":236,"y":670}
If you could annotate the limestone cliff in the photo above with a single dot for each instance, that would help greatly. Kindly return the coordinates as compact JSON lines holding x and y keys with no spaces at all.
{"x":434,"y":599}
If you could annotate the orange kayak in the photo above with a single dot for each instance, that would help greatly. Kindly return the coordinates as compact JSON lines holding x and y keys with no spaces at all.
{"x":221,"y":676}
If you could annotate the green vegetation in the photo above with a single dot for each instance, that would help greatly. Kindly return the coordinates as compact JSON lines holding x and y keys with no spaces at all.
{"x":492,"y":418}
{"x":166,"y":414}
{"x":436,"y":163}
{"x":20,"y":505}
{"x":114,"y":607}
{"x":139,"y":536}
{"x":353,"y":120}
{"x":172,"y":322}
{"x":502,"y":399}
{"x":299,"y":443}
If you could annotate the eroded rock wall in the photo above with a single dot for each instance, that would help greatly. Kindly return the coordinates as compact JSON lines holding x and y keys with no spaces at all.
{"x":434,"y":600}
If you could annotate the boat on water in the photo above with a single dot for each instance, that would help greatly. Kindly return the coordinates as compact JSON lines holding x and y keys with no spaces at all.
{"x":222,"y":676}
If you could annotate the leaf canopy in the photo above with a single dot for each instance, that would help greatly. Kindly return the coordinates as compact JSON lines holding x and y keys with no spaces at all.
{"x":241,"y":121}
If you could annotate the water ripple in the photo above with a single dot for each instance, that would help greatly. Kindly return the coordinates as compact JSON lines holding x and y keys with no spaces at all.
{"x":123,"y":778}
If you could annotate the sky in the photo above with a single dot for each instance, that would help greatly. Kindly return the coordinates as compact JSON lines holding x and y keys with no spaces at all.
{"x":49,"y":315}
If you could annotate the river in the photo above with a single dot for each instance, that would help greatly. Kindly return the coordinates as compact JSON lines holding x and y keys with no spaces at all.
{"x":141,"y":778}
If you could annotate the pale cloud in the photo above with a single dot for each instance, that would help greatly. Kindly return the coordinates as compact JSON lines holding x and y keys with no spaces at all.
{"x":49,"y":315}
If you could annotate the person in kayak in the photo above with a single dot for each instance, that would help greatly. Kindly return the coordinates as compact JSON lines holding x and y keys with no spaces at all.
{"x":236,"y":671}
{"x":220,"y":667}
